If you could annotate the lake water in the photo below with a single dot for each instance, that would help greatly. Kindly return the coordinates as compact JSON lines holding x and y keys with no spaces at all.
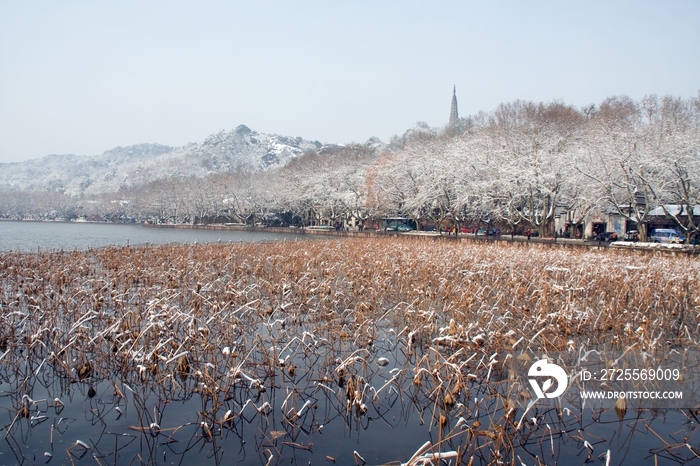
{"x":28,"y":236}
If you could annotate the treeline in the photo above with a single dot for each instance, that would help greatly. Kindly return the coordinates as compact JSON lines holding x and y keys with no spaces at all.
{"x":515,"y":167}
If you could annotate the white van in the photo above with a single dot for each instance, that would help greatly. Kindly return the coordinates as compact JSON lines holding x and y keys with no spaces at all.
{"x":667,"y":235}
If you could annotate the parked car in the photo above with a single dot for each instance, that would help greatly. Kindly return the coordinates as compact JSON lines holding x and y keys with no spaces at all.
{"x":632,"y":235}
{"x":404,"y":228}
{"x":667,"y":235}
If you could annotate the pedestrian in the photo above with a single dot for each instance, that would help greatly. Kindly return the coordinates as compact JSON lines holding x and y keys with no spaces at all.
{"x":529,"y":234}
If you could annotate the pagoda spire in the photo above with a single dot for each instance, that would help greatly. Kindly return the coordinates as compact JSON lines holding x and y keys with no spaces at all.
{"x":454,"y":116}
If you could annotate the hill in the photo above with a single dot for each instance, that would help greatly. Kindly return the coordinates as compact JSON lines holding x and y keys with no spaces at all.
{"x":239,"y":150}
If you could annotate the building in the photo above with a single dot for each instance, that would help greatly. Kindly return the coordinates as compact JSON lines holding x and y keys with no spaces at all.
{"x":658,"y":217}
{"x":454,"y":115}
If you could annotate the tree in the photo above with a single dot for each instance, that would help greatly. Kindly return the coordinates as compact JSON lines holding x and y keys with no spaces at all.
{"x":670,"y":143}
{"x":644,"y":156}
{"x":534,"y":160}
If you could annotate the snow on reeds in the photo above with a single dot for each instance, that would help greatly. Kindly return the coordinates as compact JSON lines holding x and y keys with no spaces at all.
{"x":263,"y":331}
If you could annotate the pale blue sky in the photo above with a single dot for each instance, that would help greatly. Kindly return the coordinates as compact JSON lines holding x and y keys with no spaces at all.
{"x":83,"y":77}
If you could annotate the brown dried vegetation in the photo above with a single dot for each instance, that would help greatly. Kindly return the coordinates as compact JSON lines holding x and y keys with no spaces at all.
{"x":252,"y":328}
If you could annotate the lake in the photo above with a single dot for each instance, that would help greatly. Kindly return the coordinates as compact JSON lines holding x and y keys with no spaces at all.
{"x":28,"y":236}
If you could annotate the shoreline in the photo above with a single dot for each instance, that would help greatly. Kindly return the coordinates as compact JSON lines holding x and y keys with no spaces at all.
{"x":561,"y":242}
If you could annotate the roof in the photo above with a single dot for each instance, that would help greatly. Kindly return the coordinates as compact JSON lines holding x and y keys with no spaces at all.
{"x":673,"y":209}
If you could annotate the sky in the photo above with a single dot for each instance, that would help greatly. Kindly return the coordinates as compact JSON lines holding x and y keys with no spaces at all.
{"x":83,"y":77}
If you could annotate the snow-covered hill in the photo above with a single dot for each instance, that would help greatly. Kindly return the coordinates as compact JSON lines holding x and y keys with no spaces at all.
{"x":241,"y":149}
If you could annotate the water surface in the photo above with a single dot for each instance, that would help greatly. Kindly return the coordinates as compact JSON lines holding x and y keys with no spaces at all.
{"x":28,"y":236}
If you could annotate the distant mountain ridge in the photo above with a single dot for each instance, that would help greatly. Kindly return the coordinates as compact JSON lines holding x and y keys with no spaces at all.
{"x":239,"y":150}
